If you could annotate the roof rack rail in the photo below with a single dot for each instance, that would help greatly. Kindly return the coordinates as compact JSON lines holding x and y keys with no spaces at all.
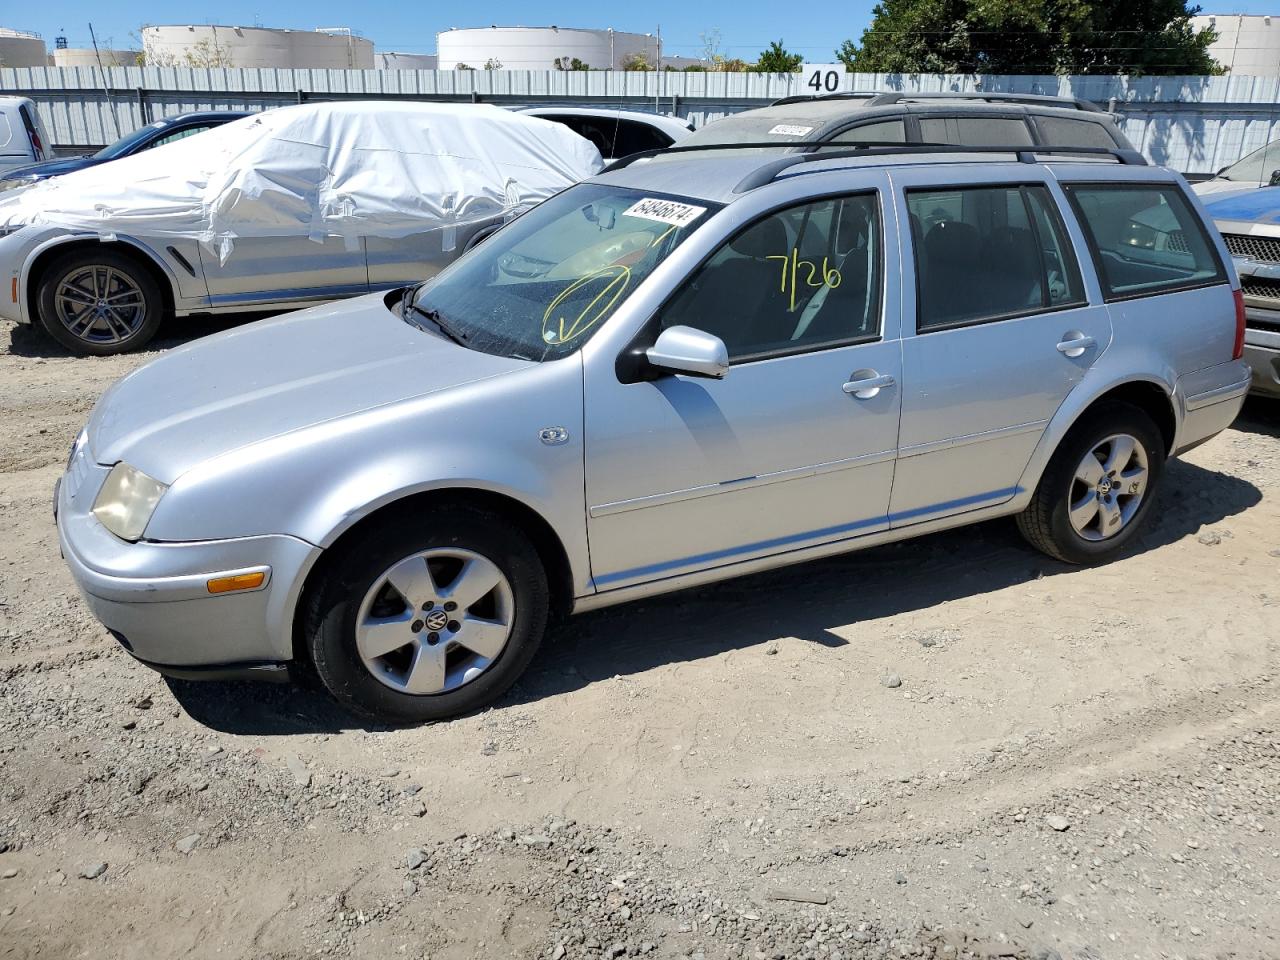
{"x":769,"y":171}
{"x":1032,"y":99}
{"x":843,"y":95}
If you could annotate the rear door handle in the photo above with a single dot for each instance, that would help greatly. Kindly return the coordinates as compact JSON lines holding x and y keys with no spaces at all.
{"x":1075,"y":344}
{"x":868,"y":386}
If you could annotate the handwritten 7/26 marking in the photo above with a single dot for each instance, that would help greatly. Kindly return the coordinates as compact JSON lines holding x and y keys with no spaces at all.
{"x":791,"y":266}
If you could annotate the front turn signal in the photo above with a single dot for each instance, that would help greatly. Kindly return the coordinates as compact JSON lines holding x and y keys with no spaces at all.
{"x":242,"y":581}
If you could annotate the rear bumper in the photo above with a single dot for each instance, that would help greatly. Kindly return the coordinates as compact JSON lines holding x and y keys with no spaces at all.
{"x":154,"y":599}
{"x":1218,"y":395}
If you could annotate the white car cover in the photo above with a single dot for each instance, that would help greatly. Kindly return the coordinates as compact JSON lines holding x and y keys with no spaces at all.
{"x":352,"y":169}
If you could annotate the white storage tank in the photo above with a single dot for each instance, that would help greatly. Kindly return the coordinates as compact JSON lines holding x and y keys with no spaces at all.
{"x":404,"y":61}
{"x":21,"y":49}
{"x":219,"y":46}
{"x":1248,"y":45}
{"x":538,"y":48}
{"x":88,"y":57}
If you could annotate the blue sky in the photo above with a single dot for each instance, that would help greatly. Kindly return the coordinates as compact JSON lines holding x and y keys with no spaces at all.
{"x":814,"y":28}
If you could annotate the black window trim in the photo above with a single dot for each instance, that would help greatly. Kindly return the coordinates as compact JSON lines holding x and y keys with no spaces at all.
{"x":626,"y":365}
{"x":1095,"y":253}
{"x":1021,"y":186}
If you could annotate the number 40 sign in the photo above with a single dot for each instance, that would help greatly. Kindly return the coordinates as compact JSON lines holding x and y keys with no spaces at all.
{"x":820,"y":78}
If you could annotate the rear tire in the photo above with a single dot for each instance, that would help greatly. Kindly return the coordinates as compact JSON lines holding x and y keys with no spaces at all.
{"x":372,"y":630}
{"x":1097,"y":490}
{"x":99,"y":302}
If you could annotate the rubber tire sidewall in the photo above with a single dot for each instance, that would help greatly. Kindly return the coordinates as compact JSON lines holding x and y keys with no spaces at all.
{"x":336,"y":603}
{"x":1106,"y":421}
{"x":47,"y":314}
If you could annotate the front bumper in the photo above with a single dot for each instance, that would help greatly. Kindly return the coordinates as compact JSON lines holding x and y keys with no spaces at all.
{"x":154,"y":598}
{"x":1262,"y":353}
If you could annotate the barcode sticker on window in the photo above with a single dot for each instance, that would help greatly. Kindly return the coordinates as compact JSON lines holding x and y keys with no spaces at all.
{"x":665,"y":211}
{"x":789,"y":130}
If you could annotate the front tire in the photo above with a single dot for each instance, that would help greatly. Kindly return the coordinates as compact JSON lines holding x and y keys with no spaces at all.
{"x":1097,"y":490}
{"x":427,"y":617}
{"x":99,"y":302}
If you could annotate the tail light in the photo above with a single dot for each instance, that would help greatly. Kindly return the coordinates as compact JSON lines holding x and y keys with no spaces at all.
{"x":1238,"y":352}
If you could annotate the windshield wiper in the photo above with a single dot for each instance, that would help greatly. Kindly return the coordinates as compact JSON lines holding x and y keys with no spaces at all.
{"x":434,"y":316}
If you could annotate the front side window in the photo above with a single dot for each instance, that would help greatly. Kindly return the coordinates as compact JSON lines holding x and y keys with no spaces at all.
{"x":1144,"y":238}
{"x":543,"y":285}
{"x":975,"y":131}
{"x":800,"y":279}
{"x":179,"y":135}
{"x":989,"y":253}
{"x":1257,"y":166}
{"x":878,"y":131}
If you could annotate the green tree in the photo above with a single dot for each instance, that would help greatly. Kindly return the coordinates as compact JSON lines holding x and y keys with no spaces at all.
{"x":1133,"y":37}
{"x":777,"y":59}
{"x":571,"y":63}
{"x":637,"y":61}
{"x":493,"y":63}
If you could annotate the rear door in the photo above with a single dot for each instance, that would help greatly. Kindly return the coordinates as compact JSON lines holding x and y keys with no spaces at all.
{"x":285,"y":269}
{"x":999,"y":328}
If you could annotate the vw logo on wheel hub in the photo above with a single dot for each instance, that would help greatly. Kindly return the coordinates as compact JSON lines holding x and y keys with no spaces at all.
{"x":437,"y":620}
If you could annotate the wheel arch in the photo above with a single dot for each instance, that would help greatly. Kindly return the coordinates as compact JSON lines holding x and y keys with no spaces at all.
{"x":551,"y":549}
{"x":1149,"y":394}
{"x":46,"y":254}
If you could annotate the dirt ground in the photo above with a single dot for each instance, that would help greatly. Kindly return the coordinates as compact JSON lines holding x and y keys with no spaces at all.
{"x":952,"y":747}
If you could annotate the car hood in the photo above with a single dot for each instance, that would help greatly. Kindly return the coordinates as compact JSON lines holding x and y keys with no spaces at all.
{"x":50,"y":168}
{"x":272,"y":377}
{"x":1259,"y":205}
{"x":1212,"y":188}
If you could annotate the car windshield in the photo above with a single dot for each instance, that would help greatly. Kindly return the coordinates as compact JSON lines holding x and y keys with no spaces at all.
{"x":1257,"y":166}
{"x":546,"y":283}
{"x":753,"y":127}
{"x":128,"y":142}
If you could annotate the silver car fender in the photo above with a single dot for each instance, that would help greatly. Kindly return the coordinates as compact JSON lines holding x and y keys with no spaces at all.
{"x":319,"y":482}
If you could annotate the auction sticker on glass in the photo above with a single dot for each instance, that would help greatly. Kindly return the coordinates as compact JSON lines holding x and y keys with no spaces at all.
{"x":789,"y":130}
{"x":665,"y":211}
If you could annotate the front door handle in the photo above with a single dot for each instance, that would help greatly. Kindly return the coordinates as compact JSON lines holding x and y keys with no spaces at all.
{"x":1074,"y":344}
{"x":865,"y":384}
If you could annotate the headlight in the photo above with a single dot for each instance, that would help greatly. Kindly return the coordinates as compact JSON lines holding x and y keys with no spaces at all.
{"x":126,"y":501}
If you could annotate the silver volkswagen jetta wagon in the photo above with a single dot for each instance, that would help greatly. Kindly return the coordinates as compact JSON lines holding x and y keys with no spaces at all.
{"x":693,"y":366}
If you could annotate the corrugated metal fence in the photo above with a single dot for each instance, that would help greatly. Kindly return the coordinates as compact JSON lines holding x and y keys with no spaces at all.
{"x":1195,"y":124}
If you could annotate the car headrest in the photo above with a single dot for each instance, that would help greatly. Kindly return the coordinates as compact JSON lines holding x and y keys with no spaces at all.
{"x":768,"y":238}
{"x":952,"y":241}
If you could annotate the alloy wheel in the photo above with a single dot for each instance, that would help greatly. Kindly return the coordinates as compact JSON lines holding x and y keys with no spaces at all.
{"x":1108,"y":487}
{"x":100,"y":304}
{"x":434,"y":621}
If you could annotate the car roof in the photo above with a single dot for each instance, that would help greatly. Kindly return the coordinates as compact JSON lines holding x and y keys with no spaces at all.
{"x":723,"y":176}
{"x":205,"y":115}
{"x":674,"y":127}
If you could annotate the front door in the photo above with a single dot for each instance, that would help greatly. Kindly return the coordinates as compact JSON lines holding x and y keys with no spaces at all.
{"x":795,"y":446}
{"x":1003,"y":332}
{"x":285,"y":269}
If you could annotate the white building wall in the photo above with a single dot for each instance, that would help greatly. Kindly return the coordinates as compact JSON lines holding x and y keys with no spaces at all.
{"x":21,"y":49}
{"x":404,"y":61}
{"x":537,"y":48}
{"x":1247,"y":45}
{"x":207,"y":45}
{"x":88,"y":57}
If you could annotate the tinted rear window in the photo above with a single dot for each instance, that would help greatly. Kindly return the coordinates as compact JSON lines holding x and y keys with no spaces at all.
{"x":976,"y":131}
{"x":1144,"y":238}
{"x":1064,"y":132}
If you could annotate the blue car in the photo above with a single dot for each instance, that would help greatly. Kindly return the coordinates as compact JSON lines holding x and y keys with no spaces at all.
{"x":1250,"y":224}
{"x":144,"y":138}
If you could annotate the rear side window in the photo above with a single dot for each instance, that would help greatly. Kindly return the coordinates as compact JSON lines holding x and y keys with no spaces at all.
{"x":989,"y":253}
{"x":879,"y":131}
{"x":1144,"y":238}
{"x":1064,"y":132}
{"x":975,"y":131}
{"x":632,"y":137}
{"x":7,"y":142}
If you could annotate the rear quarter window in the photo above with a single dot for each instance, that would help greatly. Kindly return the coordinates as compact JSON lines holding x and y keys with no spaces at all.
{"x":8,"y":144}
{"x":1145,"y":239}
{"x":1065,"y":132}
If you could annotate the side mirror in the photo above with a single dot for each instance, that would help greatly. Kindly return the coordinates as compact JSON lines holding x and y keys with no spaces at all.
{"x":1275,"y":179}
{"x":689,"y":351}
